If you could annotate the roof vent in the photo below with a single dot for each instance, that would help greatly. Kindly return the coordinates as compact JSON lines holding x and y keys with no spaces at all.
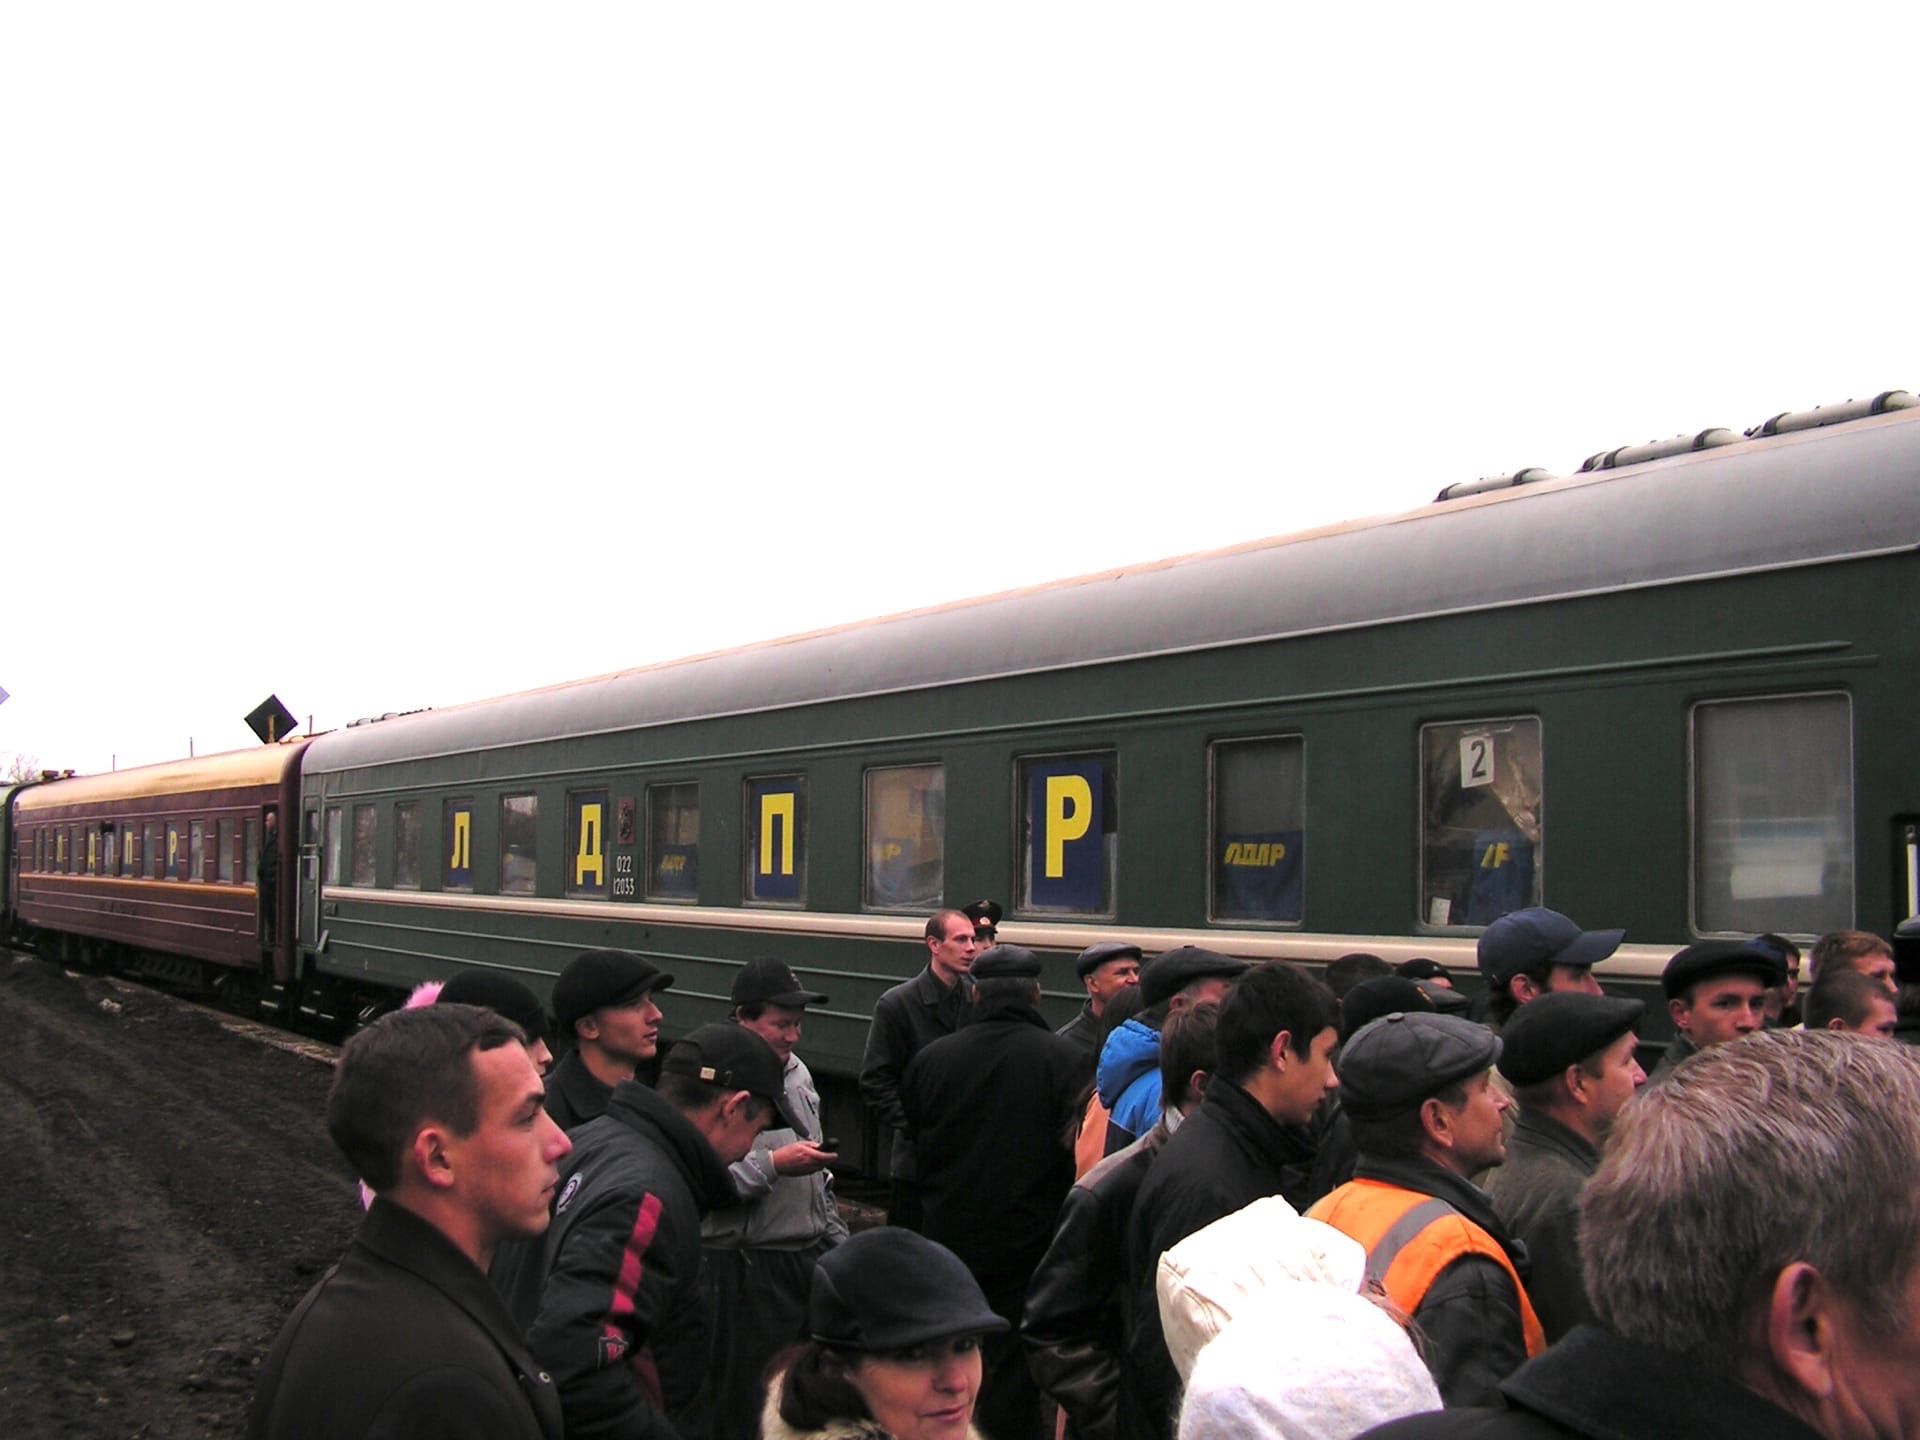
{"x":1492,"y":482}
{"x":1657,"y":450}
{"x":1789,"y":421}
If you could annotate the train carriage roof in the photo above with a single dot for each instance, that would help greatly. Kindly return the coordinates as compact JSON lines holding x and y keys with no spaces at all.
{"x":229,"y":770}
{"x":1845,"y":492}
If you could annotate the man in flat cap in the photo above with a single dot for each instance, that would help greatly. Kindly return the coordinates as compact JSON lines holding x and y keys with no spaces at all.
{"x":1249,"y":1139}
{"x":1570,"y":1060}
{"x":1129,"y":1071}
{"x":1716,"y":992}
{"x":1529,"y":953}
{"x":906,"y":1019}
{"x":759,"y":1255}
{"x":603,"y":1005}
{"x":990,"y":1109}
{"x":620,"y":1324}
{"x":1105,"y":969}
{"x":1418,"y":1091}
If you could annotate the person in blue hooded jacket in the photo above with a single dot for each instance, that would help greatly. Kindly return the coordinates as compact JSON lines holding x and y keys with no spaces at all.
{"x":1129,"y":1072}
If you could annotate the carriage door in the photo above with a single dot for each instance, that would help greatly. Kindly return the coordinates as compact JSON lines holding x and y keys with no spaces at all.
{"x":310,"y":875}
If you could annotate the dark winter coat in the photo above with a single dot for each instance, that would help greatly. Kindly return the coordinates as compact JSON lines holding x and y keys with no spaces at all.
{"x":1536,"y":1194}
{"x":575,"y":1094}
{"x":1594,"y":1385}
{"x":906,"y":1019}
{"x":403,"y":1338}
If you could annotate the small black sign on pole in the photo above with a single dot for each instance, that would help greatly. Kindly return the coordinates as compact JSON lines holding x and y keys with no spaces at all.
{"x":271,"y":721}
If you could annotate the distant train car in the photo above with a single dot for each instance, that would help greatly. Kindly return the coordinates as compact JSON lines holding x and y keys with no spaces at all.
{"x":1673,"y":695}
{"x":154,"y":869}
{"x":8,"y":860}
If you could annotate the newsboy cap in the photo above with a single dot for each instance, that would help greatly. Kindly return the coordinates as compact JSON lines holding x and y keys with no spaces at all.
{"x":887,"y":1289}
{"x":602,"y":977}
{"x":1395,"y":1062}
{"x":1546,"y":1036}
{"x":1523,"y":939}
{"x":1166,"y":975}
{"x":1720,"y":957}
{"x":734,"y":1058}
{"x":503,"y":995}
{"x":1006,"y":962}
{"x":1382,"y":995}
{"x":767,"y":981}
{"x":1094,"y":956}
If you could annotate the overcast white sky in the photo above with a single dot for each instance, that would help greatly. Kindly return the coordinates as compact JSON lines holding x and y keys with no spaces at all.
{"x":393,"y":355}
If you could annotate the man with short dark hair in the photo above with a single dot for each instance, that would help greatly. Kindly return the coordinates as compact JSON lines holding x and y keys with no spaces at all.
{"x":1716,"y":992}
{"x":1105,"y":969}
{"x":1860,"y":950}
{"x":604,"y":1006}
{"x":1732,"y":1307}
{"x":1275,"y":1040}
{"x":1418,"y":1090}
{"x":440,"y":1109}
{"x":1570,"y":1059}
{"x":906,"y":1019}
{"x":1846,"y":1000}
{"x":620,"y":1325}
{"x":1354,"y":969}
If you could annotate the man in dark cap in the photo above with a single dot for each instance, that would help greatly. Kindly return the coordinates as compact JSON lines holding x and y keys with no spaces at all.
{"x":1105,"y":969}
{"x":504,"y":995}
{"x":759,"y":1255}
{"x":603,"y":1006}
{"x":985,"y":915}
{"x":1533,"y":952}
{"x":620,"y":1325}
{"x":1129,"y":1069}
{"x":1249,"y":1139}
{"x":991,"y":1112}
{"x":1570,"y":1060}
{"x":1418,"y":1090}
{"x":1716,"y":992}
{"x":1333,"y":1154}
{"x":906,"y":1019}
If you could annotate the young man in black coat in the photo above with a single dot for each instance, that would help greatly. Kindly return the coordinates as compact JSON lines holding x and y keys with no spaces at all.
{"x":439,"y":1108}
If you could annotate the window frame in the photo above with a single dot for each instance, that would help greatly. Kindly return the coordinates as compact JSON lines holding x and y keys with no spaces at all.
{"x":750,"y":840}
{"x":648,"y":854}
{"x":1214,"y":841}
{"x":1023,"y":906}
{"x":1423,"y":924}
{"x":867,"y":901}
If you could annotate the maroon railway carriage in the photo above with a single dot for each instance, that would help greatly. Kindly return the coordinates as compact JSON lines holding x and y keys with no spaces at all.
{"x":154,"y":870}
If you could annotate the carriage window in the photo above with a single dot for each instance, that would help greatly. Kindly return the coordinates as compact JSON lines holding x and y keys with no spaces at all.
{"x":133,"y":860}
{"x":776,"y":834}
{"x":1070,"y":833}
{"x":1480,"y":834}
{"x":251,"y":871}
{"x":1259,"y":830}
{"x":518,"y":817}
{"x":906,"y":837}
{"x":93,"y":850}
{"x":154,"y":854}
{"x":1773,"y":815}
{"x":456,"y":846}
{"x":110,"y":858}
{"x":673,"y":842}
{"x":226,"y":852}
{"x":336,"y":839}
{"x":587,"y":843}
{"x":362,"y":868}
{"x":196,"y":850}
{"x":406,"y":846}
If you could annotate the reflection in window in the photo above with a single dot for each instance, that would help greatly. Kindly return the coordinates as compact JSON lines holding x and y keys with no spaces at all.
{"x":1773,"y":815}
{"x":93,"y":851}
{"x":226,"y":852}
{"x":1070,"y":833}
{"x":776,"y":834}
{"x":406,"y":845}
{"x":1481,"y":804}
{"x":518,"y":815}
{"x":906,"y":837}
{"x":334,"y":843}
{"x":1259,"y":830}
{"x":362,"y":868}
{"x":456,"y":846}
{"x":673,"y":842}
{"x":587,"y":843}
{"x":196,"y":850}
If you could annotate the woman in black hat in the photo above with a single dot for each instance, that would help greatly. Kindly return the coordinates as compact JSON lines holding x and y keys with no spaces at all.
{"x":896,"y":1322}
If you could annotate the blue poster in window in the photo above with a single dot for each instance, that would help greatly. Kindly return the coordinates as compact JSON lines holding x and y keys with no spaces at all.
{"x":458,"y":871}
{"x":1261,"y":873}
{"x":1502,"y":875}
{"x":777,"y":847}
{"x":1066,"y":817}
{"x":676,"y":872}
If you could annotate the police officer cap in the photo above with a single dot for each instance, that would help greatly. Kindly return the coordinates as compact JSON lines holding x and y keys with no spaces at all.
{"x":733,"y":1058}
{"x":767,"y":981}
{"x":599,"y":978}
{"x":1094,"y":956}
{"x":501,"y":994}
{"x":1397,"y":1061}
{"x":1525,"y":939}
{"x":1720,"y":957}
{"x":983,"y":912}
{"x":1166,"y":975}
{"x":1545,"y":1037}
{"x":887,"y":1289}
{"x":1007,"y":962}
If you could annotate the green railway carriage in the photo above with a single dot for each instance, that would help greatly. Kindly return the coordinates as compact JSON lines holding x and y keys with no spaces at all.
{"x":1675,"y":696}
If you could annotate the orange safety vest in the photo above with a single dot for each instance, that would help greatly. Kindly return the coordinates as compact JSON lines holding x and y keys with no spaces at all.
{"x":1410,"y":1238}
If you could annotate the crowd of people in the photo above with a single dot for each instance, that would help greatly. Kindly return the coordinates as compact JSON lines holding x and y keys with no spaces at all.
{"x":1225,"y":1199}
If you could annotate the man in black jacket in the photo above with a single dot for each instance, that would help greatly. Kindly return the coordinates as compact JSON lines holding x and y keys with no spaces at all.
{"x":990,"y":1109}
{"x":439,"y":1108}
{"x":620,"y":1322}
{"x":1796,"y":1312}
{"x":604,"y":1007}
{"x":1247,"y":1140}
